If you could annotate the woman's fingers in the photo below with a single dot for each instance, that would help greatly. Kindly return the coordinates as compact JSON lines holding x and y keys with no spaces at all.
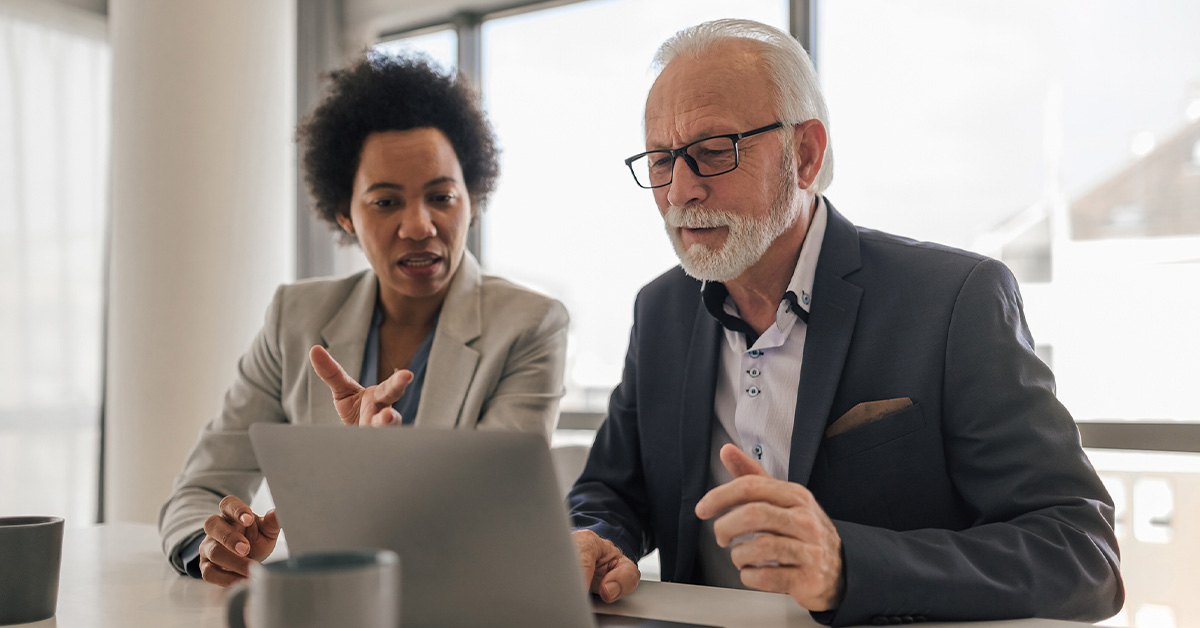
{"x":236,"y":510}
{"x":214,"y":574}
{"x":392,"y":389}
{"x":357,"y":405}
{"x":219,"y":555}
{"x":379,"y":410}
{"x":386,"y":416}
{"x":332,"y":373}
{"x":224,"y":533}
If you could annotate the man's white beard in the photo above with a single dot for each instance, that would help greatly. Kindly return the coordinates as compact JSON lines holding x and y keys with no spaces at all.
{"x":748,"y":238}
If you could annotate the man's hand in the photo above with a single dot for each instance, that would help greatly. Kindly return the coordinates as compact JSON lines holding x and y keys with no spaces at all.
{"x":607,"y":572}
{"x":236,"y":538}
{"x":801,"y":552}
{"x":355,"y":404}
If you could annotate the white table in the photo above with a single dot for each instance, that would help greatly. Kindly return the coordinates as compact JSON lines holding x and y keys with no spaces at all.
{"x":115,"y":576}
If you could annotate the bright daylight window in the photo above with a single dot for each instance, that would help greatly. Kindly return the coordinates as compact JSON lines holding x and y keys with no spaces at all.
{"x":565,"y":88}
{"x":440,"y":45}
{"x":54,"y":126}
{"x":1060,"y":139}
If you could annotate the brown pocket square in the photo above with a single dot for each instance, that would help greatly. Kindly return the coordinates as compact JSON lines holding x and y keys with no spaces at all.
{"x":866,"y":412}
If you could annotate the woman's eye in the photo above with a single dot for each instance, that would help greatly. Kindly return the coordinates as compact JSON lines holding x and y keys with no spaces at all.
{"x":443,"y":199}
{"x":384,"y":202}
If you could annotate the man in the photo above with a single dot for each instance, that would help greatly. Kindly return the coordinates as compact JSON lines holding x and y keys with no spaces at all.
{"x":852,"y":418}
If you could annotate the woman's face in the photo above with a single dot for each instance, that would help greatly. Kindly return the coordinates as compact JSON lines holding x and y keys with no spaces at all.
{"x":410,"y":211}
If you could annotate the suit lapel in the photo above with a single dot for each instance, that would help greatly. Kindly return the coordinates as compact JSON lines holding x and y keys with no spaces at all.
{"x":345,"y":338}
{"x":452,"y":361}
{"x":830,"y":327}
{"x":696,"y":418}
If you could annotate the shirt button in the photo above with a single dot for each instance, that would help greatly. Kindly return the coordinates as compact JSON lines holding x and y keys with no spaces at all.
{"x":754,"y":372}
{"x":753,"y":391}
{"x":758,"y":451}
{"x":754,"y":353}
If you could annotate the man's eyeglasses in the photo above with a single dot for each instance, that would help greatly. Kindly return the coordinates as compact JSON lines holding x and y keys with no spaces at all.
{"x":708,"y":157}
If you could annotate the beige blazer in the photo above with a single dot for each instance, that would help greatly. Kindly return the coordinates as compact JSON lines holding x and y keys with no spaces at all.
{"x":496,"y":363}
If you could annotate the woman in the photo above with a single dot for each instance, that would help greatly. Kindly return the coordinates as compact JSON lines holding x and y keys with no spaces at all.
{"x":401,"y":160}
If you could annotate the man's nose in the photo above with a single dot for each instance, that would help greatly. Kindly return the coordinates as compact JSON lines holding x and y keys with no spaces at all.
{"x":417,"y":223}
{"x":686,"y":186}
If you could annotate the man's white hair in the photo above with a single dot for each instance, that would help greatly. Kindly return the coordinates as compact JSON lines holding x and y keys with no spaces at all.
{"x":794,"y":84}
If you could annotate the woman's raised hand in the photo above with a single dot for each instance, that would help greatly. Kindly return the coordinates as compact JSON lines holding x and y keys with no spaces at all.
{"x":371,"y":406}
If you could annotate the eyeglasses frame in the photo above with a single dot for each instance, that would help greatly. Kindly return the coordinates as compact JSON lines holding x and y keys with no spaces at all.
{"x":676,"y":153}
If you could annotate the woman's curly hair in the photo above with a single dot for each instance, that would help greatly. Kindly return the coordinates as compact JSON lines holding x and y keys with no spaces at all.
{"x":378,"y":93}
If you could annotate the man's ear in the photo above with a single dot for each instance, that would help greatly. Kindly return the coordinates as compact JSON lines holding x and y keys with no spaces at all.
{"x":808,"y":141}
{"x":343,"y":220}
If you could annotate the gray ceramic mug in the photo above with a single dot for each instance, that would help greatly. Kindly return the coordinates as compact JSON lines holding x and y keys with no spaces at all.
{"x":30,"y":557}
{"x":336,"y":588}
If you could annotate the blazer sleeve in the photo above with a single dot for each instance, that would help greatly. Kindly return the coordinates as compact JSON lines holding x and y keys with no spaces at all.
{"x":223,"y":462}
{"x":1041,"y":543}
{"x":527,"y":394}
{"x":610,"y":496}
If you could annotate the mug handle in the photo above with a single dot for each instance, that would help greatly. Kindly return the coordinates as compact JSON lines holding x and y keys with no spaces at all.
{"x":235,"y":606}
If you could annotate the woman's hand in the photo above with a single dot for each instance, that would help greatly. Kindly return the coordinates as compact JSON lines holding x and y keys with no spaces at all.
{"x":357,"y":405}
{"x":235,"y":539}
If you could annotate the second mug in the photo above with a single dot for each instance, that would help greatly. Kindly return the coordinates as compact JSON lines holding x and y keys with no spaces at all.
{"x":319,"y":589}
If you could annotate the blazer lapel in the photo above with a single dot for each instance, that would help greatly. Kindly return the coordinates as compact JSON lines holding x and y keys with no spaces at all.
{"x":695,"y":432}
{"x":452,"y":361}
{"x":830,"y":327}
{"x":345,"y":338}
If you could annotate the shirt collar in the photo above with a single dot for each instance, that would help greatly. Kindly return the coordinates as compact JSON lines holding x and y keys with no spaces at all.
{"x":722,"y":307}
{"x":805,"y":273}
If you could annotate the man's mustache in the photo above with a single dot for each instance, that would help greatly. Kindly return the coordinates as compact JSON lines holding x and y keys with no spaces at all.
{"x":696,"y":217}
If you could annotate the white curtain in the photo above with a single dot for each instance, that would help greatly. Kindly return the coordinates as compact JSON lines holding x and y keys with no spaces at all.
{"x":54,"y":146}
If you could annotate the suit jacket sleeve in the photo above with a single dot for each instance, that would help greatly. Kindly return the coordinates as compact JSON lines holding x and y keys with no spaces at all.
{"x":1041,"y":543}
{"x":526,"y":397}
{"x":223,"y":461}
{"x":610,"y":495}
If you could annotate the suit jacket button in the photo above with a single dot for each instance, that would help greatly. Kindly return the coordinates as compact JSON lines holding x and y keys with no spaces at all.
{"x":879,"y":620}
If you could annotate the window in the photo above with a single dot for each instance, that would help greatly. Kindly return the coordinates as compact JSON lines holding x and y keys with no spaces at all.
{"x":1153,"y":507}
{"x":54,"y":125}
{"x":440,"y":44}
{"x":1154,"y":616}
{"x":1006,"y":110}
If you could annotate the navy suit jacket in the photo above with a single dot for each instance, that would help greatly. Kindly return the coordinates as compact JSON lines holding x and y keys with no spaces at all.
{"x":975,"y":502}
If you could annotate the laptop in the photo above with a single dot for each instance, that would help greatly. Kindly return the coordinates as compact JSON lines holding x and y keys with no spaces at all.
{"x":476,"y":517}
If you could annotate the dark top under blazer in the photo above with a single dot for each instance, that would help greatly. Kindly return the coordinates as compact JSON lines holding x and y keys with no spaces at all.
{"x":976,"y":502}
